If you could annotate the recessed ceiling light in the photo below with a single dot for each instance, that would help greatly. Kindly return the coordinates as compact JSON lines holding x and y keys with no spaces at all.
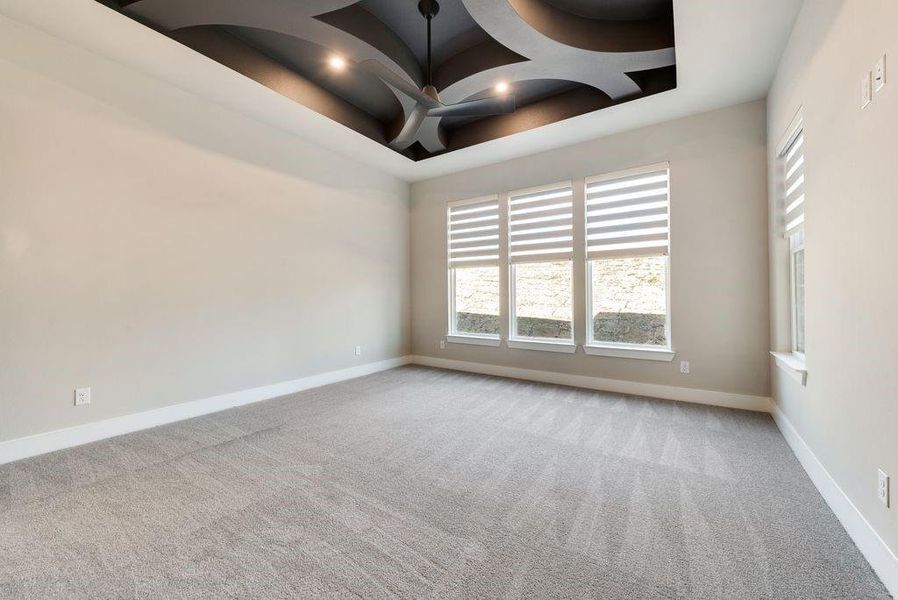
{"x":337,"y":63}
{"x":501,"y":87}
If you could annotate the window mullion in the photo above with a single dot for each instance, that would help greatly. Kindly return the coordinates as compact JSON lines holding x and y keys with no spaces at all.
{"x":451,"y":316}
{"x":504,"y":290}
{"x":579,"y":282}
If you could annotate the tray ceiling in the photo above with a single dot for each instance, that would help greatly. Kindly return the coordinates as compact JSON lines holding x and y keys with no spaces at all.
{"x":559,"y":58}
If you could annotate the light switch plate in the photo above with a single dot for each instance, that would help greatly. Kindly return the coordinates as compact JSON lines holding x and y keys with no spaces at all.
{"x":866,"y":90}
{"x":879,"y":74}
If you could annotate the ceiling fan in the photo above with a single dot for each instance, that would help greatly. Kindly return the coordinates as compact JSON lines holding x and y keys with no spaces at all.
{"x":427,"y":99}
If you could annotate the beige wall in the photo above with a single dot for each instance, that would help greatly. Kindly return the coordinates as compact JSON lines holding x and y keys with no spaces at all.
{"x":848,"y":412}
{"x":718,"y":258}
{"x":160,"y":249}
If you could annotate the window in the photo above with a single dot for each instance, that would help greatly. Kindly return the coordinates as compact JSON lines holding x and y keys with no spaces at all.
{"x":476,"y":300}
{"x":511,"y":267}
{"x":629,"y":300}
{"x":791,"y":159}
{"x":473,"y":239}
{"x":543,"y":300}
{"x":540,"y":234}
{"x":627,"y":241}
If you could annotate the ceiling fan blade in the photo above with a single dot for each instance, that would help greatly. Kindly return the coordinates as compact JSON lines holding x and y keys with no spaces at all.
{"x":495,"y":105}
{"x":406,"y":87}
{"x":407,"y":136}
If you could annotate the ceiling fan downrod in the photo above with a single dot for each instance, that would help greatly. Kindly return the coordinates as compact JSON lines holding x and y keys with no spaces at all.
{"x":429,"y":9}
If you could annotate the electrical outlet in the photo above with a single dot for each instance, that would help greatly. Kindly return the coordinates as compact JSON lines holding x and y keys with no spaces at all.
{"x":442,"y":344}
{"x":879,"y":74}
{"x":882,"y":487}
{"x":82,"y":396}
{"x":866,"y":90}
{"x":684,"y":367}
{"x":358,"y":350}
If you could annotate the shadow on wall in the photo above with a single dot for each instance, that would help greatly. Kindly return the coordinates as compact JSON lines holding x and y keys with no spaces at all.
{"x":624,"y":328}
{"x":141,"y":101}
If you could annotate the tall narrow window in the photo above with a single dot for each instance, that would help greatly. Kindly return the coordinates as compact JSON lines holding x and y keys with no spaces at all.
{"x":540,"y":235}
{"x":474,"y":268}
{"x":627,"y":239}
{"x":791,"y":160}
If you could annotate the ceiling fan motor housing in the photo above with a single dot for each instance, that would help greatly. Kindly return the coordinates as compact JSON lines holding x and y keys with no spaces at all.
{"x":432,"y":92}
{"x":429,"y":8}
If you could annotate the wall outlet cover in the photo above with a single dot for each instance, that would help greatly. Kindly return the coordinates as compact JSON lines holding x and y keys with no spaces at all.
{"x":442,"y":344}
{"x":684,"y":367}
{"x":82,"y":396}
{"x":882,"y":486}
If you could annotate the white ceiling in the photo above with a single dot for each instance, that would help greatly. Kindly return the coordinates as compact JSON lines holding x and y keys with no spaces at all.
{"x":727,"y":53}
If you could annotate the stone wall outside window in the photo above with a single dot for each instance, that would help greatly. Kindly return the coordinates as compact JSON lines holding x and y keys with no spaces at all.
{"x":632,"y":284}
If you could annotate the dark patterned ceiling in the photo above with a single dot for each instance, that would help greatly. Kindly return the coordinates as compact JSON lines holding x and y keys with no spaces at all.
{"x":559,"y":58}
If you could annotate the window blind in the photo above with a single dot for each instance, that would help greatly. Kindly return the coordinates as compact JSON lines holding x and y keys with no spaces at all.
{"x":474,"y":233}
{"x":793,"y":186}
{"x":540,"y":224}
{"x":627,"y":214}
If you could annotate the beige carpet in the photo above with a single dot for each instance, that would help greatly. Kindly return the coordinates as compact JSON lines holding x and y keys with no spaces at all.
{"x":418,"y":483}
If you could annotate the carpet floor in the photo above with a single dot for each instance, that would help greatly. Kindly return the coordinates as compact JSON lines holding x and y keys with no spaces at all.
{"x":421,"y":483}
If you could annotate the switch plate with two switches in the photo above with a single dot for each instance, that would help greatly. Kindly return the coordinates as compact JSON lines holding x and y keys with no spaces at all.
{"x":879,"y":74}
{"x":82,"y":396}
{"x":882,"y":487}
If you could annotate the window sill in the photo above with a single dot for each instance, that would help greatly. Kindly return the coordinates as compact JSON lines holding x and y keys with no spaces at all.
{"x":477,"y":340}
{"x":659,"y":354}
{"x":793,"y":364}
{"x":544,"y":345}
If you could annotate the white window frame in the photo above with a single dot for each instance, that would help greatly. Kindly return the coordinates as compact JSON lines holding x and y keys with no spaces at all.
{"x":796,"y":240}
{"x":595,"y":347}
{"x":793,"y":362}
{"x":453,"y":335}
{"x":568,"y":346}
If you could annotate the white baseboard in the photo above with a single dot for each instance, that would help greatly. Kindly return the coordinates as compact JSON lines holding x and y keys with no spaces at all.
{"x":50,"y":441}
{"x":41,"y":443}
{"x":877,"y":553}
{"x":653,"y":390}
{"x":874,"y":549}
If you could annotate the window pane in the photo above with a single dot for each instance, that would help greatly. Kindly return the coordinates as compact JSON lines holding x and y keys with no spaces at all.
{"x":798,"y":295}
{"x":629,"y":300}
{"x":543,"y":304}
{"x":477,"y":300}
